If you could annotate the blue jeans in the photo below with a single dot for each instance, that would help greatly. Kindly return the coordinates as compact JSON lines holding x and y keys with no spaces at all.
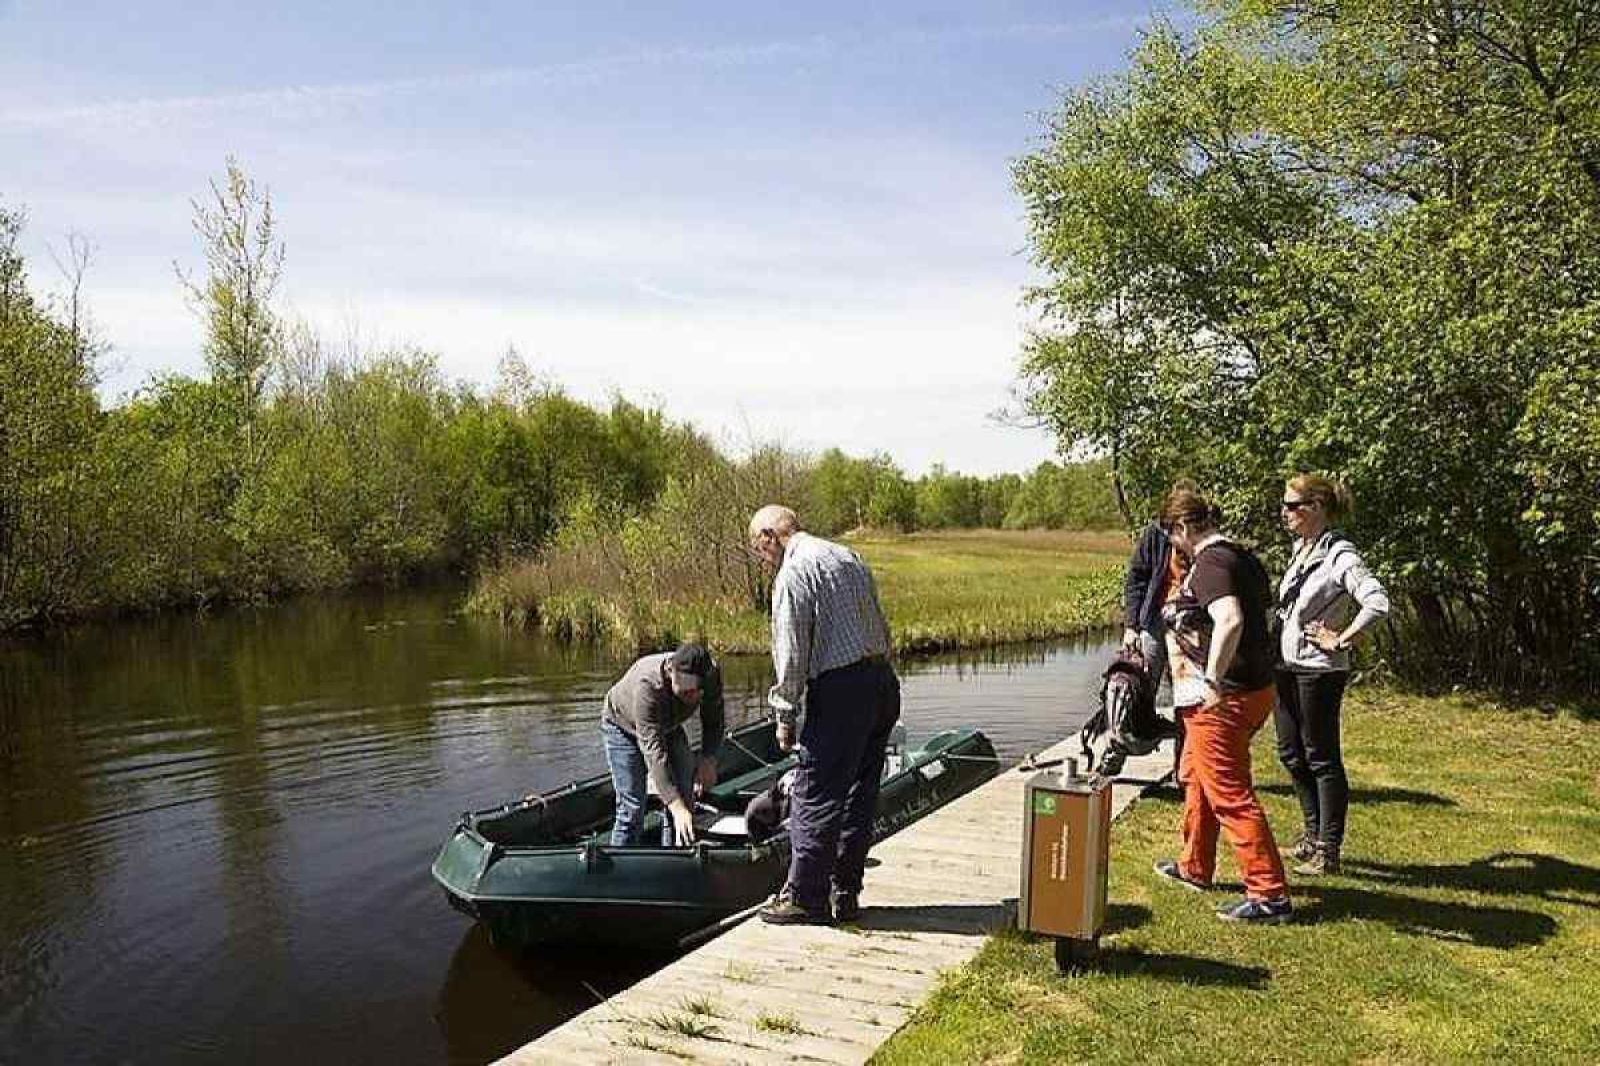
{"x":1153,"y":646}
{"x":630,"y":777}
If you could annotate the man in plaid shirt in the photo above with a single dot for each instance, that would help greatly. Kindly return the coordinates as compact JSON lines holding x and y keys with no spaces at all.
{"x":830,"y":648}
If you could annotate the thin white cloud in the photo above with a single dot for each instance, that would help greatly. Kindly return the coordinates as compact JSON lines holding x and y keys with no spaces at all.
{"x":297,"y":101}
{"x":285,"y":103}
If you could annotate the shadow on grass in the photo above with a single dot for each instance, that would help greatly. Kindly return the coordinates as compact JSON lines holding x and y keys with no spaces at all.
{"x":1184,"y":969}
{"x":1120,"y":917}
{"x":1505,"y":873}
{"x":1358,"y":796}
{"x":1491,"y":927}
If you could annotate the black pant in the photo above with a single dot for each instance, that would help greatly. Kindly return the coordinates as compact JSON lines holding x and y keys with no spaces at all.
{"x":834,"y":800}
{"x":1307,"y":721}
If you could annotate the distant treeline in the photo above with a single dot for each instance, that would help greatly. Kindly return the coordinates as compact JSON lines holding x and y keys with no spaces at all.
{"x":292,"y":466}
{"x":847,"y":493}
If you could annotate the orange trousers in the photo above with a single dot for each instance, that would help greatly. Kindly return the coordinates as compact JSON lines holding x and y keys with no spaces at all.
{"x":1218,"y":793}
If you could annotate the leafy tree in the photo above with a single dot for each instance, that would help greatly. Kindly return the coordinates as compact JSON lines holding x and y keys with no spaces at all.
{"x":244,"y":263}
{"x":1355,"y":237}
{"x":49,"y":563}
{"x":948,"y":500}
{"x":848,"y":493}
{"x":997,"y":493}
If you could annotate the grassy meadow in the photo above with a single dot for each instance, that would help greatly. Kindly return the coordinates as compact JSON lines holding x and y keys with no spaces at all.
{"x":1464,"y":929}
{"x":940,"y":590}
{"x":964,"y":589}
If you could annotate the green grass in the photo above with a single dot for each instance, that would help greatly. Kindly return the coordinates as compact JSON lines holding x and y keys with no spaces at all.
{"x":644,"y":1043}
{"x":1465,"y":928}
{"x":974,"y":589}
{"x":701,"y":1005}
{"x":941,"y":590}
{"x":784,"y":1024}
{"x":687,"y":1024}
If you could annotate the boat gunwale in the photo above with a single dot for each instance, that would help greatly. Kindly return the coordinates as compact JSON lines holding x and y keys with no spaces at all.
{"x":655,"y":852}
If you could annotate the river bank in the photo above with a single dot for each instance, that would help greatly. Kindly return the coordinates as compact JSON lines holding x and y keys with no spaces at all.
{"x":941,"y":590}
{"x":1462,"y":930}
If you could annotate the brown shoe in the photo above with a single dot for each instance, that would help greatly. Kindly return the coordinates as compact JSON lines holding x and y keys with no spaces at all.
{"x":1324,"y":860}
{"x":783,"y":910}
{"x":1303,"y":849}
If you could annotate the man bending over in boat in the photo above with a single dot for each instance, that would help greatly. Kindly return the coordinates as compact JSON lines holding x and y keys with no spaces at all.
{"x":830,"y":650}
{"x":641,"y":722}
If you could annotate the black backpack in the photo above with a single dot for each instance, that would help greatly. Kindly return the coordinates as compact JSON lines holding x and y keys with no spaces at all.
{"x":1127,"y":716}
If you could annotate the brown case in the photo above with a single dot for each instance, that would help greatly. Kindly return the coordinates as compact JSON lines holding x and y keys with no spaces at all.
{"x":1066,"y":848}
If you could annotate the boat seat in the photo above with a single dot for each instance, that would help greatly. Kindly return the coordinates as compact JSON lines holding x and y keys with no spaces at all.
{"x":746,"y":785}
{"x":729,"y":828}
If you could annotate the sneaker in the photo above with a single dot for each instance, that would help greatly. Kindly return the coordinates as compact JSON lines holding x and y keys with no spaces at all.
{"x":1173,"y":872}
{"x":1259,"y":911}
{"x":1305,"y":846}
{"x":1324,"y":859}
{"x":783,"y":910}
{"x":846,"y":906}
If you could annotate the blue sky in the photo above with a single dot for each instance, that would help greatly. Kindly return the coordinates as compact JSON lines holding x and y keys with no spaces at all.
{"x":789,"y":224}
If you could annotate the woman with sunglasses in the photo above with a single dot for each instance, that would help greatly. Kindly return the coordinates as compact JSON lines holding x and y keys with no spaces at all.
{"x":1326,"y":598}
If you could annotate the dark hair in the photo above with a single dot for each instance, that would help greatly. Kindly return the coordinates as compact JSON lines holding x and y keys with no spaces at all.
{"x":1185,"y":504}
{"x":692,"y":658}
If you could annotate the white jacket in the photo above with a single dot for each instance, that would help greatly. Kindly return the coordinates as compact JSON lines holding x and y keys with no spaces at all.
{"x":1336,"y":585}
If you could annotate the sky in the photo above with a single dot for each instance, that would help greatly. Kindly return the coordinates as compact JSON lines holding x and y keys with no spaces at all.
{"x":784,"y":223}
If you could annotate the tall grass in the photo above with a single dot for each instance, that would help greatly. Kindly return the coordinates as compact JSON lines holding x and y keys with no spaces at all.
{"x":653,"y":581}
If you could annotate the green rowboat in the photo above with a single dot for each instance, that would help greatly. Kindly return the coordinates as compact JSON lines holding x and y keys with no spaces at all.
{"x":541,"y":871}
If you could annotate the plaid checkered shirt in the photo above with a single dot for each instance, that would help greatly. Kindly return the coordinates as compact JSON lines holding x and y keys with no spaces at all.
{"x":825,"y":615}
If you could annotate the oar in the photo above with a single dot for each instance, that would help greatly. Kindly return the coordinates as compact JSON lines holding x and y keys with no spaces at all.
{"x":700,"y":936}
{"x":747,"y":751}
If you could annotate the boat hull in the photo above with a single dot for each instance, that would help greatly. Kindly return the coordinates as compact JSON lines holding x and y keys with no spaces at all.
{"x":650,"y":898}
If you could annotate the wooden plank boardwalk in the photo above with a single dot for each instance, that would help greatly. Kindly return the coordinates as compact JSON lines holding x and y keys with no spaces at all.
{"x":768,"y":994}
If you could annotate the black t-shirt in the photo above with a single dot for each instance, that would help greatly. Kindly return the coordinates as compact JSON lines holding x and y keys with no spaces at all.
{"x":1225,"y":569}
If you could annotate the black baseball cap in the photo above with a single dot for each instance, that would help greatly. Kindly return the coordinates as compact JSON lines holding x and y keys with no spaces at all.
{"x":691,"y":663}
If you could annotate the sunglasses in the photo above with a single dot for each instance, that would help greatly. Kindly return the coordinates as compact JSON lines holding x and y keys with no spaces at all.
{"x":1297,"y":505}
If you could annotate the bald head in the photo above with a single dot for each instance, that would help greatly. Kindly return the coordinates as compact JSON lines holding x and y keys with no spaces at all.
{"x":775,"y":518}
{"x":770,"y":530}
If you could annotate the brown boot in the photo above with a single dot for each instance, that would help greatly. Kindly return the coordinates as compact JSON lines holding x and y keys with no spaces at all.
{"x":1303,"y":848}
{"x":1324,"y":860}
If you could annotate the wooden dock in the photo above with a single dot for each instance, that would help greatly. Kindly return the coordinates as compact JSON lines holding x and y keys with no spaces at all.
{"x":769,"y":994}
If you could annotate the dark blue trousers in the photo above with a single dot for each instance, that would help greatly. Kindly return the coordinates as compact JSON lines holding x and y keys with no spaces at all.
{"x":848,"y":715}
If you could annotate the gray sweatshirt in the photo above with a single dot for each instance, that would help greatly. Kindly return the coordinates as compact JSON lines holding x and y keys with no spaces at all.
{"x":643,"y":706}
{"x":1336,"y":585}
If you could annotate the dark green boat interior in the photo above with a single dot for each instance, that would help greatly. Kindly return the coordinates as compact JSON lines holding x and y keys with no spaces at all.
{"x":581,"y":813}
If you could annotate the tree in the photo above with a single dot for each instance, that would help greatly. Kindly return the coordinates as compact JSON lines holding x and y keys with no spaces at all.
{"x":244,"y":263}
{"x":1354,"y":237}
{"x":948,"y":500}
{"x":49,"y":564}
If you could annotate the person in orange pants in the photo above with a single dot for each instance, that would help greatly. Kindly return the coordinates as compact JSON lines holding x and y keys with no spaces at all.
{"x":1222,"y":658}
{"x":1218,"y":794}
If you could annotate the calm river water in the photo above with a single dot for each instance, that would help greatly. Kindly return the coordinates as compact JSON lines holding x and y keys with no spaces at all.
{"x":215,"y":833}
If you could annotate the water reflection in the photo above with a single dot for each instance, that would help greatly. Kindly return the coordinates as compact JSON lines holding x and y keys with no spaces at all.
{"x":215,"y":833}
{"x":493,"y":1001}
